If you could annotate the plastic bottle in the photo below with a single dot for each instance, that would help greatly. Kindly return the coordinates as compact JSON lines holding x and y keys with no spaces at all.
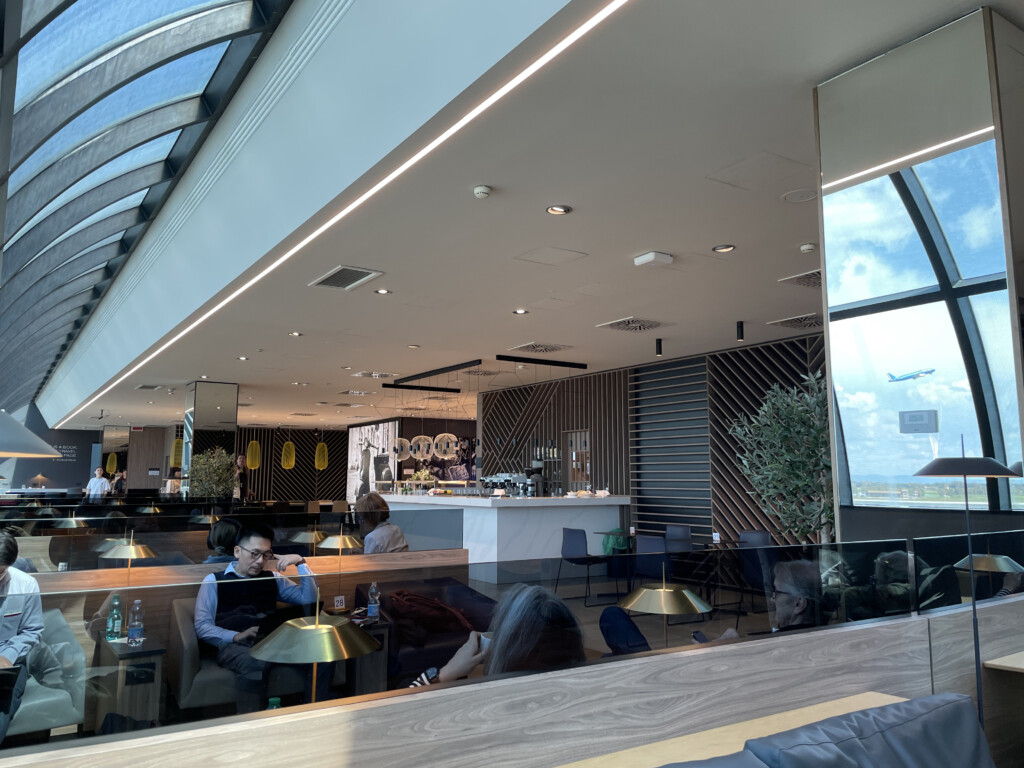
{"x":373,"y":606}
{"x":135,"y":615}
{"x":274,"y":703}
{"x":114,"y":619}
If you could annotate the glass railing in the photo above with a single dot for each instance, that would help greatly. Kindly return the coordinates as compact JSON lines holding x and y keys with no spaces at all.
{"x":944,"y":570}
{"x":84,"y":685}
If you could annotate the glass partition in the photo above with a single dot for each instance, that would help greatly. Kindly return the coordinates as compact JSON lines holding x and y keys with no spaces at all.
{"x":943,"y":568}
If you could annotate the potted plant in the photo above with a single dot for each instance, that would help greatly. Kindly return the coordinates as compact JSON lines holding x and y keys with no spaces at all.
{"x":212,"y":474}
{"x":785,"y":454}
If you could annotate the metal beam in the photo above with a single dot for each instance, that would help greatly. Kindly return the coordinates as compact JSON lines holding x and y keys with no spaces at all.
{"x":423,"y":388}
{"x":538,"y":361}
{"x":439,"y":372}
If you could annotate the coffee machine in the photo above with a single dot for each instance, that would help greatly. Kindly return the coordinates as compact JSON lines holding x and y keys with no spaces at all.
{"x":536,"y":483}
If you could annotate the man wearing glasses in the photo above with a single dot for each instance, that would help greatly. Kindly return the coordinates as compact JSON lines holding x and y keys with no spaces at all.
{"x":796,"y":595}
{"x":231,"y":604}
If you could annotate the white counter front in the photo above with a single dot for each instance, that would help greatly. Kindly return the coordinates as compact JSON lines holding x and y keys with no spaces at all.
{"x":501,"y":529}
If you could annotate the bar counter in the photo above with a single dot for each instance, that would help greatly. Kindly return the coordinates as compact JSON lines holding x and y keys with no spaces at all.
{"x":500,"y":529}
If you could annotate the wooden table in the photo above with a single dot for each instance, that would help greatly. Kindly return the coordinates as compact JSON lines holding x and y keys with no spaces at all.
{"x":1012,"y":663}
{"x":731,"y":738}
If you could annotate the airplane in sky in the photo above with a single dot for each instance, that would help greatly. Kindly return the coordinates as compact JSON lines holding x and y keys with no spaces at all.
{"x":910,"y":376}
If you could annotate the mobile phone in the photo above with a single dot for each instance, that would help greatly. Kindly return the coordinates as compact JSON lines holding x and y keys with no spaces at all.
{"x":699,"y":637}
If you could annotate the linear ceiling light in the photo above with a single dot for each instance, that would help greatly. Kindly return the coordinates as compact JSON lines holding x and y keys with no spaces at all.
{"x":538,"y":64}
{"x":901,"y":161}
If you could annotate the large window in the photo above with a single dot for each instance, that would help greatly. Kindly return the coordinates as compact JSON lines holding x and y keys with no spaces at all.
{"x":920,"y":320}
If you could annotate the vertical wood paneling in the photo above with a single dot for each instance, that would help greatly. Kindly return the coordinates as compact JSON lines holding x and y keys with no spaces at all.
{"x":516,"y":424}
{"x":145,"y":451}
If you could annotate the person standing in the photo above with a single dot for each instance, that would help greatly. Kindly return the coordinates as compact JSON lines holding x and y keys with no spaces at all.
{"x":98,"y":487}
{"x":241,"y":479}
{"x":21,"y":626}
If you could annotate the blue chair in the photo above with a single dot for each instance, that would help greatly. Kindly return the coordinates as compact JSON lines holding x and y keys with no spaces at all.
{"x":574,"y":551}
{"x":651,"y":560}
{"x":621,"y":633}
{"x":756,"y":563}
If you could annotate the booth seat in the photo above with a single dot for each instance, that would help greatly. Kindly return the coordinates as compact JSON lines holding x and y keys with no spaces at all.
{"x":55,"y":693}
{"x":939,"y":731}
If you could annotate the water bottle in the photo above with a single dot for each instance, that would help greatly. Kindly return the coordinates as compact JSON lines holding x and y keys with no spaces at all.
{"x":274,"y":702}
{"x":114,"y":619}
{"x":135,"y":624}
{"x":373,"y":607}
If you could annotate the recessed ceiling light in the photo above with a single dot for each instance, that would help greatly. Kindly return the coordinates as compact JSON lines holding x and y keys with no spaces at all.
{"x":149,"y":402}
{"x":243,"y":357}
{"x":559,"y":210}
{"x":520,"y":311}
{"x":382,"y":291}
{"x":218,"y":407}
{"x":725,"y":248}
{"x":322,"y":402}
{"x":346,"y":367}
{"x":204,"y":376}
{"x":413,"y":346}
{"x":294,"y":333}
{"x":300,"y":383}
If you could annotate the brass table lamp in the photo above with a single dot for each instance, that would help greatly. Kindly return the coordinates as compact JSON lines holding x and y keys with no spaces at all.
{"x":665,"y":600}
{"x":130,"y":551}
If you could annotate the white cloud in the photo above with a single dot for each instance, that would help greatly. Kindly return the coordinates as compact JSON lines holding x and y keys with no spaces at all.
{"x":981,"y":226}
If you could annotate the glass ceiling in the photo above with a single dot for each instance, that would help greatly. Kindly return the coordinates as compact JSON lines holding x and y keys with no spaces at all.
{"x":112,"y":100}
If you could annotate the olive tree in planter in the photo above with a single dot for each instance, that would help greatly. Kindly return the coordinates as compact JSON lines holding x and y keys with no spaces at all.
{"x":785,"y":454}
{"x":212,"y":474}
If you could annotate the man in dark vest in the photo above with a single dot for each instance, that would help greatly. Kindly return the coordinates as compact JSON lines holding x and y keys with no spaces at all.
{"x":231,"y":604}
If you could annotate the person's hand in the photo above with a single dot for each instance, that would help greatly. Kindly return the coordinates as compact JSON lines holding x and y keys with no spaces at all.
{"x":5,"y":662}
{"x":281,"y":562}
{"x":465,"y":660}
{"x":246,"y":637}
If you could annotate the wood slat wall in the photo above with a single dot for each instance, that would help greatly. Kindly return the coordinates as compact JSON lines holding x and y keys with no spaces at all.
{"x":737,"y":382}
{"x":517,"y":423}
{"x":668,"y":446}
{"x":303,"y":481}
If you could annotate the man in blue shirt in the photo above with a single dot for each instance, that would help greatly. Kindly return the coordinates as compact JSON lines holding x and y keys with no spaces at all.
{"x":231,"y":604}
{"x":21,"y":625}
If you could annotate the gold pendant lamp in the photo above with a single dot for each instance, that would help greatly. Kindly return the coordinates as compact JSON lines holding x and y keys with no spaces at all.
{"x":111,"y":463}
{"x":288,"y":455}
{"x":320,"y":461}
{"x":252,"y":455}
{"x":176,"y":452}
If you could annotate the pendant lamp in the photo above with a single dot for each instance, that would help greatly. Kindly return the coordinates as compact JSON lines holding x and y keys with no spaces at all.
{"x":252,"y":455}
{"x":446,"y":445}
{"x":401,"y":448}
{"x":17,"y":441}
{"x":421,"y":447}
{"x":176,"y":452}
{"x":111,"y":463}
{"x":288,"y":455}
{"x":320,"y":460}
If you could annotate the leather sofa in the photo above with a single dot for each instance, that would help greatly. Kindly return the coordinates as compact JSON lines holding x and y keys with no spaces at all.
{"x":55,"y":693}
{"x":939,"y":731}
{"x":410,"y":653}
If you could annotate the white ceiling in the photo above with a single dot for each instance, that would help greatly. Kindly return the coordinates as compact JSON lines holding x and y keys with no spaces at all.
{"x":675,"y":126}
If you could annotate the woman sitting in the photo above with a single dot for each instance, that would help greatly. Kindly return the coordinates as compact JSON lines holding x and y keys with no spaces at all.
{"x":222,"y":539}
{"x":379,"y":535}
{"x":532,"y":630}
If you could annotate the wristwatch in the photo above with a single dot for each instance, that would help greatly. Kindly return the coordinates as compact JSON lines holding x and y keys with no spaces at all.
{"x":431,"y":675}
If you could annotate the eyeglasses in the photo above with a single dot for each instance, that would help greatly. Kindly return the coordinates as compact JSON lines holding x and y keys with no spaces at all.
{"x":257,"y":554}
{"x":777,"y":592}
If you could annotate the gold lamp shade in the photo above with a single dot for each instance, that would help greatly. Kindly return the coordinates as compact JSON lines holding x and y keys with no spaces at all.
{"x":17,"y":441}
{"x":320,"y":460}
{"x":203,"y":519}
{"x":149,"y":510}
{"x":991,"y":564}
{"x":288,"y":455}
{"x":128,"y":551}
{"x":311,"y":640}
{"x":665,"y":601}
{"x":340,"y":542}
{"x":176,"y":451}
{"x":308,"y":537}
{"x":69,"y":522}
{"x":111,"y":463}
{"x":252,"y":455}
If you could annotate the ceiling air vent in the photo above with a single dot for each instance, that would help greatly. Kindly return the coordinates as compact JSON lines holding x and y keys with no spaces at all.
{"x":149,"y":387}
{"x":632,"y":325}
{"x":347,"y":277}
{"x":254,"y":424}
{"x":801,"y":322}
{"x":414,"y":408}
{"x":244,"y":405}
{"x":354,"y":392}
{"x":348,"y":405}
{"x":302,"y":414}
{"x":375,"y":375}
{"x":479,"y":372}
{"x":540,"y":348}
{"x":810,"y":279}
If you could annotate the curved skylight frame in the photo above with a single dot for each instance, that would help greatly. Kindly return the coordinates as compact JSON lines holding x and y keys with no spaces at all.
{"x":59,"y":258}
